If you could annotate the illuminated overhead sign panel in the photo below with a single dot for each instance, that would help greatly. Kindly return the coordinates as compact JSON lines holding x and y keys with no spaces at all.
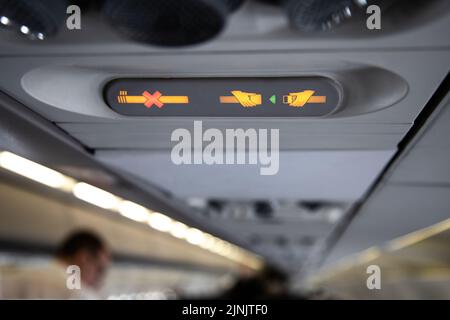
{"x":224,"y":97}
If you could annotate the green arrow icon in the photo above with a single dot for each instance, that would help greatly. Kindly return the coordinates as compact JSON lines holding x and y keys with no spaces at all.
{"x":273,"y":99}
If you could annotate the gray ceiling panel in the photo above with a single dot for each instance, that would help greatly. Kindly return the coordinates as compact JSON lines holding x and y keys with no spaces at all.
{"x":428,"y":162}
{"x":438,"y":134}
{"x":322,"y":175}
{"x":414,"y":194}
{"x":424,"y":166}
{"x":156,"y":134}
{"x":391,"y":212}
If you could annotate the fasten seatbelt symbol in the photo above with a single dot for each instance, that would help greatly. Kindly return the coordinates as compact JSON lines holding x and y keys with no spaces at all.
{"x":300,"y":99}
{"x":245,"y":99}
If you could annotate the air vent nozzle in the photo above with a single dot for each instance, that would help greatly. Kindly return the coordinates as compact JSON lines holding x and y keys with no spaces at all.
{"x":169,"y":22}
{"x":319,"y":15}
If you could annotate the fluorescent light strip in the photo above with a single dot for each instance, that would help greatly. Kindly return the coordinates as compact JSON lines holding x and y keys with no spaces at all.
{"x":95,"y":196}
{"x":128,"y":209}
{"x":34,"y":171}
{"x":418,"y":236}
{"x":179,"y":230}
{"x":372,"y":253}
{"x":160,"y":222}
{"x":133,"y":211}
{"x":195,"y":237}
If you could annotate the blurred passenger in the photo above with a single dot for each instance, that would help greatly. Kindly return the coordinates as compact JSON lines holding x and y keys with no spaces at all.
{"x":269,"y":283}
{"x":82,"y":249}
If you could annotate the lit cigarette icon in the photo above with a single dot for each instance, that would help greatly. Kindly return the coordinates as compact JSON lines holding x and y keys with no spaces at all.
{"x":149,"y":99}
{"x":299,"y":99}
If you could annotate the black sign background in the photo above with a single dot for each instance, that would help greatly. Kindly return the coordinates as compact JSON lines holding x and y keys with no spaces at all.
{"x":204,"y":96}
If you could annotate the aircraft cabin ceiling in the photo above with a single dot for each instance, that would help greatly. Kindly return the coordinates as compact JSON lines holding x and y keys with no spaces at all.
{"x":327,"y":165}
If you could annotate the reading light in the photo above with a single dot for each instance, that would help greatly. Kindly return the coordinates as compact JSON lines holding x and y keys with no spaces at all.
{"x":24,"y":29}
{"x":35,"y":19}
{"x":95,"y":196}
{"x":34,"y":171}
{"x":4,"y":21}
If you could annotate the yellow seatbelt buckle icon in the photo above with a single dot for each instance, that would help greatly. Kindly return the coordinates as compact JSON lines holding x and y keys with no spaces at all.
{"x":245,"y":99}
{"x":299,"y":99}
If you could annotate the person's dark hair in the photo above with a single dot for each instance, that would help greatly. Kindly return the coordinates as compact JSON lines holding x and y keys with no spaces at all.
{"x":80,"y":240}
{"x":273,"y":274}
